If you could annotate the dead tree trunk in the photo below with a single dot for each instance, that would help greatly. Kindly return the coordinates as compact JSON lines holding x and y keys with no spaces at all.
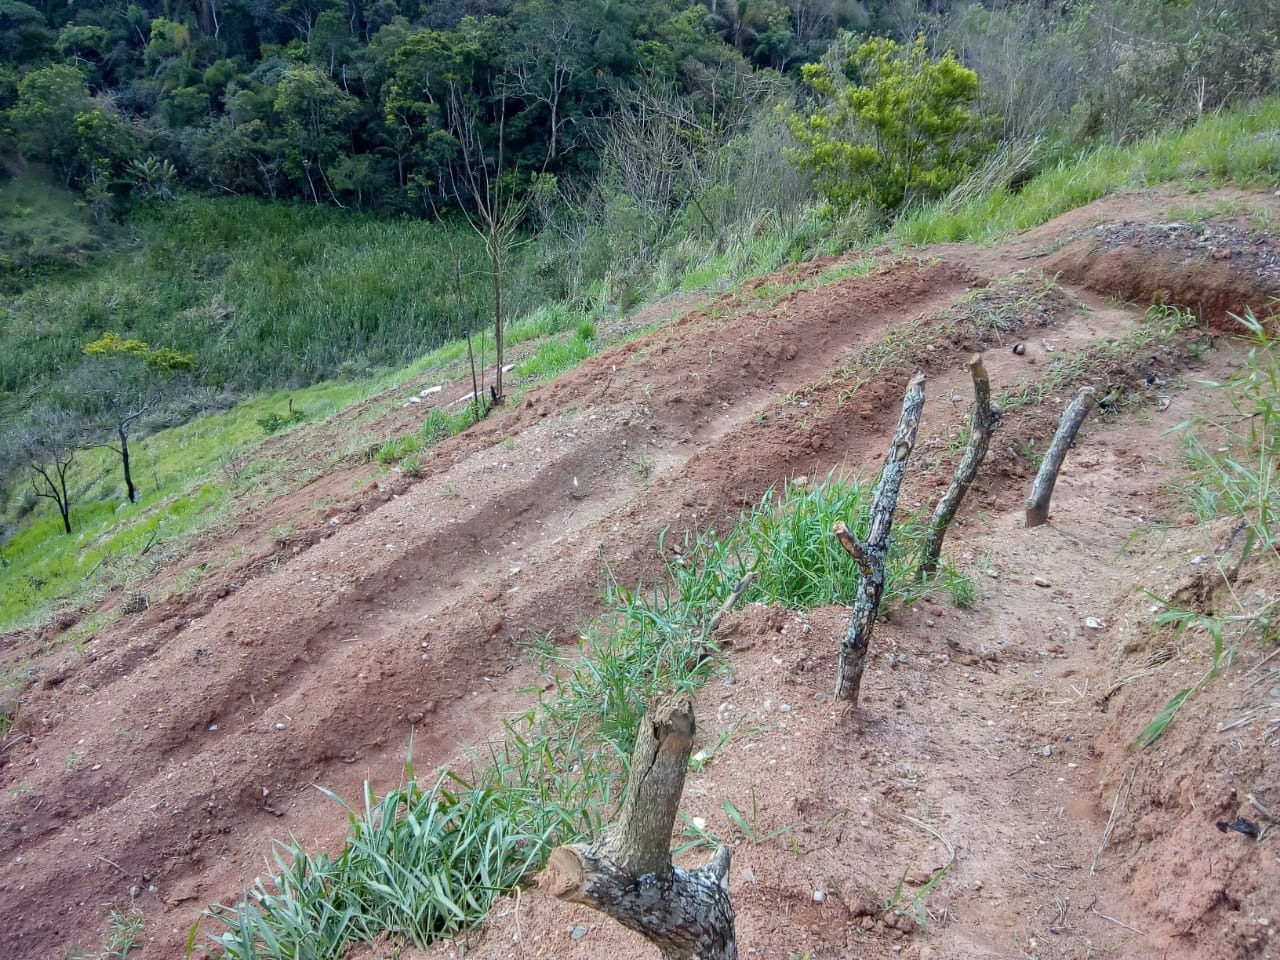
{"x":627,"y":873}
{"x":981,"y":425}
{"x":870,"y":556}
{"x":1042,"y":489}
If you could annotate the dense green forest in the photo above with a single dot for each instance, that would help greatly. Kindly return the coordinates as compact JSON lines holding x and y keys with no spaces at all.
{"x":287,"y":191}
{"x":372,"y":105}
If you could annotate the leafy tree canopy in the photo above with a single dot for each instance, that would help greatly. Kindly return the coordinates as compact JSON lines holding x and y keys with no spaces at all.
{"x":896,"y":123}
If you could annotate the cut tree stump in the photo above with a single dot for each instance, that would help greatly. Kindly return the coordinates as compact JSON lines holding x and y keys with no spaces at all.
{"x":981,"y":425}
{"x":1042,"y":489}
{"x":627,"y":872}
{"x":870,"y":555}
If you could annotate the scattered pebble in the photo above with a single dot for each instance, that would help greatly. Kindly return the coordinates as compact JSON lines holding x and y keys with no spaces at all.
{"x":1047,"y":750}
{"x":1042,"y":582}
{"x":819,"y":896}
{"x":748,"y":875}
{"x":1093,"y":623}
{"x":577,"y":933}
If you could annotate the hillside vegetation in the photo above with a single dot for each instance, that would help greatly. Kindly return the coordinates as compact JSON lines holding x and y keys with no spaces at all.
{"x":650,"y":185}
{"x":241,"y":244}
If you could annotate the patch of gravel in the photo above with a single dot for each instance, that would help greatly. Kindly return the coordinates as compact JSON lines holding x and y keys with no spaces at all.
{"x":1255,"y":251}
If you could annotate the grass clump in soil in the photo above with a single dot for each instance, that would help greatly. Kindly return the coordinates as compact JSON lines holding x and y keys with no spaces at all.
{"x":124,"y":930}
{"x":555,"y":356}
{"x":429,"y":858}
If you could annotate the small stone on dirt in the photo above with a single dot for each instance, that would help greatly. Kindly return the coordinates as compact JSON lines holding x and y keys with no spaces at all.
{"x":1093,"y":623}
{"x":577,"y":933}
{"x":1042,"y":582}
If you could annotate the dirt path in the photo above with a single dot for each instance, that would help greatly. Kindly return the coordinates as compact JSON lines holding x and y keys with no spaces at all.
{"x":155,"y":766}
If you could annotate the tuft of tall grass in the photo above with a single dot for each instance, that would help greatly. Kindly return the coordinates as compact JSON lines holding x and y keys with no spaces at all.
{"x":786,"y":541}
{"x":555,"y":356}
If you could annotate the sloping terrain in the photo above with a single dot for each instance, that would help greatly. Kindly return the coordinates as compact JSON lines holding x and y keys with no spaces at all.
{"x":153,"y":764}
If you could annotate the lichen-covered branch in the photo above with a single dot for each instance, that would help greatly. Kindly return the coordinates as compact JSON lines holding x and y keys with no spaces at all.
{"x":872,"y":552}
{"x":627,"y":872}
{"x":981,"y":425}
{"x":1042,"y":489}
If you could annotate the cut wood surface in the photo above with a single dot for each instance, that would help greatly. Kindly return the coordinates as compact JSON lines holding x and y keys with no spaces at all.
{"x":627,"y":872}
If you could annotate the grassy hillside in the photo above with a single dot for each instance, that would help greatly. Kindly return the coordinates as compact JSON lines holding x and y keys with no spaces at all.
{"x":44,"y":230}
{"x":1240,"y":146}
{"x":281,"y":294}
{"x":264,"y":294}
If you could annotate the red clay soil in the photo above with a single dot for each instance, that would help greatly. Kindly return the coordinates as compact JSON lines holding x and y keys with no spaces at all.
{"x":152,"y":767}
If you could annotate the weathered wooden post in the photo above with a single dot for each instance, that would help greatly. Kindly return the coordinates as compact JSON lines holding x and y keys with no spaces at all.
{"x":870,"y":556}
{"x":1042,"y":489}
{"x":627,"y":872}
{"x":981,"y":425}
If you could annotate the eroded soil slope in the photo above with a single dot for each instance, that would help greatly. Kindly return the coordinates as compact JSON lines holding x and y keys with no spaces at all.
{"x":152,"y":766}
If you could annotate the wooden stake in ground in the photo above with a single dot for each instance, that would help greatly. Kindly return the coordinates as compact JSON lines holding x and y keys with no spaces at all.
{"x":627,"y":873}
{"x":1042,"y":489}
{"x":870,"y":556}
{"x":981,"y":425}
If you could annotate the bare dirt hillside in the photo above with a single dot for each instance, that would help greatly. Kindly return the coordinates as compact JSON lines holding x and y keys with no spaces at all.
{"x":152,"y":766}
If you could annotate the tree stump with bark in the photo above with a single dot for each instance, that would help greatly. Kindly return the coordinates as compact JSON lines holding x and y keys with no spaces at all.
{"x":1047,"y":477}
{"x":871,"y":554}
{"x":981,"y":425}
{"x":627,"y":872}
